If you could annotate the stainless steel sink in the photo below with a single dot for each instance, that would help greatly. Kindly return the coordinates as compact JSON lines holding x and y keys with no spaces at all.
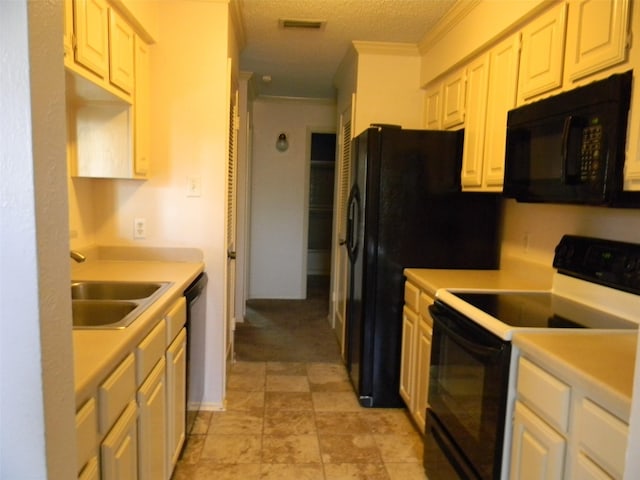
{"x":101,"y":313}
{"x":112,"y":305}
{"x":113,"y":290}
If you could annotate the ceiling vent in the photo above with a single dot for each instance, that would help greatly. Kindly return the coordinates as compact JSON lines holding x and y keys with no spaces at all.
{"x":304,"y":24}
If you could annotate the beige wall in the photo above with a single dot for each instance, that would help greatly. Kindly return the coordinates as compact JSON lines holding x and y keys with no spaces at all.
{"x":280,"y":194}
{"x":37,"y":404}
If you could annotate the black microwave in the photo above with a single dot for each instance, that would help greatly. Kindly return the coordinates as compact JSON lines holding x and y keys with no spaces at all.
{"x":570,"y":148}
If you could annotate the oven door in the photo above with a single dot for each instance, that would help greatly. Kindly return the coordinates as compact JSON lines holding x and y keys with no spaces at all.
{"x":467,"y":392}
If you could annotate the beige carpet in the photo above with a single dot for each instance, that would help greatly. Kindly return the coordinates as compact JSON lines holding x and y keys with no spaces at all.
{"x":289,"y":330}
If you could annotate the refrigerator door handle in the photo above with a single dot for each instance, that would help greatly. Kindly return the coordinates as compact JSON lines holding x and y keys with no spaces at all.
{"x":353,"y":213}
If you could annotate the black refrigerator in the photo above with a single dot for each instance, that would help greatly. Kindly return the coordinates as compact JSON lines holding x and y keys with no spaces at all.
{"x":406,"y":210}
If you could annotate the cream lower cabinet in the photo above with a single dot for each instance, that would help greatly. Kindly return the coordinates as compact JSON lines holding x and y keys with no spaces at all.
{"x":87,"y":439}
{"x":134,"y":425}
{"x":176,"y":399}
{"x":538,"y":450}
{"x":91,"y":471}
{"x":560,"y":433}
{"x":152,"y":425}
{"x":120,"y":447}
{"x":416,"y":352}
{"x":176,"y":379}
{"x":151,"y":396}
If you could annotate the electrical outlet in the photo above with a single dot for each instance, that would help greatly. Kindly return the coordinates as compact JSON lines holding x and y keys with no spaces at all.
{"x":139,"y":228}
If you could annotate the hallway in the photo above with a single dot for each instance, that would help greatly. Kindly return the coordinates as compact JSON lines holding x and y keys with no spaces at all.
{"x":291,"y":412}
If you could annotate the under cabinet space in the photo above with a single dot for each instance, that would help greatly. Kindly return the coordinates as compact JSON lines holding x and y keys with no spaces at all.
{"x":103,"y":140}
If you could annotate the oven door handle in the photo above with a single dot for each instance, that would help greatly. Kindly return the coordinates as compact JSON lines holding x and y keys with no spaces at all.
{"x":477,"y":349}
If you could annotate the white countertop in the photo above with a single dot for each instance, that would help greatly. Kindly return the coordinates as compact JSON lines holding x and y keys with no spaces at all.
{"x":97,"y":352}
{"x":512,"y":275}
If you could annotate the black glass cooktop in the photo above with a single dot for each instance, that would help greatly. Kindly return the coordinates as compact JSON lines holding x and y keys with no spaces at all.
{"x":542,"y":310}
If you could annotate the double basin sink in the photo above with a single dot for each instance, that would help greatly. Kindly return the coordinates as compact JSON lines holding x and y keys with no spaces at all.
{"x":112,"y":305}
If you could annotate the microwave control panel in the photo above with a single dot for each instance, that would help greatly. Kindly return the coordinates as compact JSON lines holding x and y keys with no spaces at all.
{"x":590,"y":153}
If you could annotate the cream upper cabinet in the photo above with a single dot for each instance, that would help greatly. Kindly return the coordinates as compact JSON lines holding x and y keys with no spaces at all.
{"x":476,"y":110}
{"x":68,"y":31}
{"x":433,"y":107}
{"x":141,"y":106}
{"x":121,"y":64}
{"x":92,"y":35}
{"x":542,"y":56}
{"x":102,"y":42}
{"x":453,"y":99}
{"x":503,"y":79}
{"x":491,"y":92}
{"x":597,"y":36}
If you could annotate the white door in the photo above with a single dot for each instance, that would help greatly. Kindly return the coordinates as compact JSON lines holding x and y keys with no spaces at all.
{"x":341,"y":260}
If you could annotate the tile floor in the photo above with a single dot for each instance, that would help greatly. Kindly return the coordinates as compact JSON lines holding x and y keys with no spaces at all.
{"x":299,"y":420}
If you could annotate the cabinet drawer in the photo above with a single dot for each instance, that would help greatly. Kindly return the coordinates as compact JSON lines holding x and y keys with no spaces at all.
{"x":425,"y":302}
{"x":544,"y":393}
{"x":602,"y":437}
{"x":149,"y":351}
{"x":86,"y":432}
{"x":411,"y":294}
{"x":176,"y":318}
{"x":116,"y":392}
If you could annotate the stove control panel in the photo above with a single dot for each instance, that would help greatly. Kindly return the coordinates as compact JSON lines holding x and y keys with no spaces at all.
{"x":607,"y":262}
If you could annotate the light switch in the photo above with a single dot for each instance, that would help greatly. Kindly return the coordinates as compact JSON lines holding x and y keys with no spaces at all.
{"x":194,"y":186}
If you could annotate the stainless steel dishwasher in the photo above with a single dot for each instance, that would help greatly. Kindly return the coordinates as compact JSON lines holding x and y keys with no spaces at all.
{"x":195,"y":295}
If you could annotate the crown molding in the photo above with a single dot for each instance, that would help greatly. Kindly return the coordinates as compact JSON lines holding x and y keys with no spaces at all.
{"x":454,"y":16}
{"x":386,"y":48}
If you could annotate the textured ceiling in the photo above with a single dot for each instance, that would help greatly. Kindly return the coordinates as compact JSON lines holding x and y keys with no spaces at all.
{"x":302,"y":63}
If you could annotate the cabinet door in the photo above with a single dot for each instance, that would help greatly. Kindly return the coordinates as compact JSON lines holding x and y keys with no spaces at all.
{"x":152,"y":425}
{"x":542,"y":55}
{"x":537,"y":451}
{"x":92,"y":35}
{"x":423,"y":361}
{"x":597,"y":36}
{"x":87,"y":439}
{"x":433,"y":107}
{"x":476,"y":109}
{"x":119,"y":448}
{"x":121,"y":66}
{"x":91,"y":471}
{"x":601,"y":436}
{"x":503,"y":81}
{"x":409,"y":326}
{"x":141,"y":109}
{"x":453,"y":99}
{"x":176,"y":397}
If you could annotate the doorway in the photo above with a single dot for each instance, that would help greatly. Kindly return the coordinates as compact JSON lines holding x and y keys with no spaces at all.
{"x":320,"y":212}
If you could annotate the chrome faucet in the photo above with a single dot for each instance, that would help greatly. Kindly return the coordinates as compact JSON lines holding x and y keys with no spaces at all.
{"x":77,"y":256}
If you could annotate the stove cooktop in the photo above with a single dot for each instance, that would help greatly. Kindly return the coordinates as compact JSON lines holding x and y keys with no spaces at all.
{"x":542,"y":310}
